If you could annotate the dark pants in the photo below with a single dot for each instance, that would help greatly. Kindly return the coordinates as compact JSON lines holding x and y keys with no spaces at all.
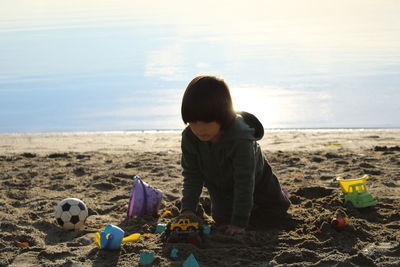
{"x":268,"y":193}
{"x":268,"y":199}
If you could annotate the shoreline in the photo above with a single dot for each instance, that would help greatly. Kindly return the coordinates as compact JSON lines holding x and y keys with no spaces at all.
{"x":305,"y":129}
{"x":164,"y":141}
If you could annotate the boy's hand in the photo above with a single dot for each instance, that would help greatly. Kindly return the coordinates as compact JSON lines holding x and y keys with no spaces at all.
{"x":233,"y":229}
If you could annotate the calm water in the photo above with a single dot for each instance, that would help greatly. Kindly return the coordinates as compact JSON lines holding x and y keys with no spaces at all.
{"x":101,"y":65}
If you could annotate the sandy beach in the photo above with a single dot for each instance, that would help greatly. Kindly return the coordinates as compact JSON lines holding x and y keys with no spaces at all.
{"x":39,"y":170}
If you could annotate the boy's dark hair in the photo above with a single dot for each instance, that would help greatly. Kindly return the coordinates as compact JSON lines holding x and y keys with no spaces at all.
{"x":207,"y":98}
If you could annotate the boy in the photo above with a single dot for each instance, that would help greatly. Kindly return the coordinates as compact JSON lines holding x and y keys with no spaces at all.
{"x":220,"y":151}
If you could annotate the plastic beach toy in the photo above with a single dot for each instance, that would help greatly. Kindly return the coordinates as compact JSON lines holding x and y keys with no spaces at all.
{"x":206,"y":229}
{"x":339,"y":223}
{"x":174,"y":254}
{"x":144,"y":199}
{"x":146,"y":257}
{"x":112,"y":237}
{"x":355,"y":192}
{"x":191,"y":261}
{"x":160,"y":228}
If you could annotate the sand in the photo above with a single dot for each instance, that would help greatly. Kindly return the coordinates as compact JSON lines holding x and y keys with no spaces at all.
{"x":39,"y":170}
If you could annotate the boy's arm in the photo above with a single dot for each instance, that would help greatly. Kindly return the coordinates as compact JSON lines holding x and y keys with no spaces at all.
{"x":192,"y":179}
{"x":244,"y":179}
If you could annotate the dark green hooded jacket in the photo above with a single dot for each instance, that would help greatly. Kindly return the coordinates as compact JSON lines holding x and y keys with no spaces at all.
{"x":230,"y":168}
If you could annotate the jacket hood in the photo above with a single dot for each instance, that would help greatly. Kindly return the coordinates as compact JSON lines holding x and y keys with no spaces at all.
{"x":245,"y":126}
{"x":253,"y":123}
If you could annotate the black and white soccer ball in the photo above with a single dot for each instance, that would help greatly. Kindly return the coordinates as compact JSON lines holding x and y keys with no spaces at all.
{"x":71,"y":213}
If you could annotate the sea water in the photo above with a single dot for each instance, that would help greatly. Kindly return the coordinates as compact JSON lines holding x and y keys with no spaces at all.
{"x":72,"y":65}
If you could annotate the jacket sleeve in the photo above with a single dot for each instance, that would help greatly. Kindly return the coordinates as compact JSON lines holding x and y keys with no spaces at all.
{"x":244,"y":180}
{"x":192,"y":178}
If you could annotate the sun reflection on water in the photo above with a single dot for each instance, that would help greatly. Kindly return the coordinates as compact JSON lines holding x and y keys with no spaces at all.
{"x":279,"y":107}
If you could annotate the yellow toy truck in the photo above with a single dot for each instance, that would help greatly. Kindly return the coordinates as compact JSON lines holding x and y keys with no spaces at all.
{"x":184,"y":230}
{"x":355,"y":194}
{"x":184,"y":224}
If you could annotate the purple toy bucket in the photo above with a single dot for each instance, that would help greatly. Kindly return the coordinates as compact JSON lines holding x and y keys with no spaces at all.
{"x":144,"y":199}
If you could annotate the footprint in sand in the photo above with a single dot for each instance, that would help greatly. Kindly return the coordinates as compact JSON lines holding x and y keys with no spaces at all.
{"x":58,"y":155}
{"x":386,"y":148}
{"x":390,"y":184}
{"x":332,"y":156}
{"x":314,"y":192}
{"x":55,"y":255}
{"x":79,"y":171}
{"x":317,"y":159}
{"x":28,"y":155}
{"x":104,"y":186}
{"x":367,"y":165}
{"x":372,"y":172}
{"x":81,"y":156}
{"x":132,"y":164}
{"x":326,"y":178}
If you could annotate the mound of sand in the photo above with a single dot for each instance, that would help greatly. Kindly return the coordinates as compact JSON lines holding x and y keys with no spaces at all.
{"x":37,"y":171}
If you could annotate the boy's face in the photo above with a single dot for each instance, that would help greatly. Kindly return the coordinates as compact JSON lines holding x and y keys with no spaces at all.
{"x":206,"y":131}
